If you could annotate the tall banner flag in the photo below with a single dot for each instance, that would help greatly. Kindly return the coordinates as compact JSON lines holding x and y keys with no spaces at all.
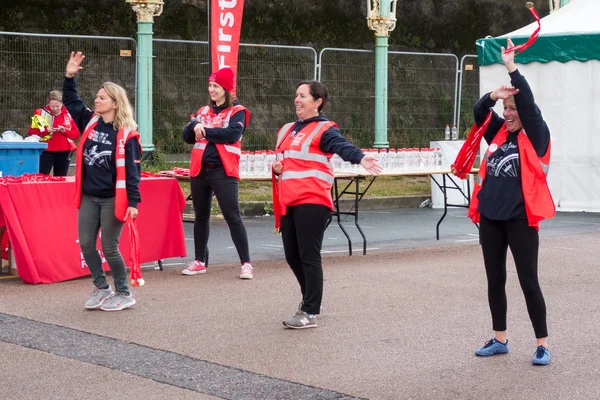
{"x":225,"y":27}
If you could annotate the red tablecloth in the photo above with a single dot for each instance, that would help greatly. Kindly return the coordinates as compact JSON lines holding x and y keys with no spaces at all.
{"x":41,"y":223}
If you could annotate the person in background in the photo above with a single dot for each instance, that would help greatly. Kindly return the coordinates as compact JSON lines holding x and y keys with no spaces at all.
{"x":59,"y":135}
{"x":216,"y":133}
{"x":509,"y":200}
{"x":302,"y":193}
{"x":107,"y":182}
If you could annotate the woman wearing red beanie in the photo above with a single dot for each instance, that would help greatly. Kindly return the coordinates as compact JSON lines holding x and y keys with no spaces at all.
{"x":216,"y":134}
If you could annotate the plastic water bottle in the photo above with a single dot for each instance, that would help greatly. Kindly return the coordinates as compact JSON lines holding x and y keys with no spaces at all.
{"x":447,"y":132}
{"x":454,"y":132}
{"x":244,"y":163}
{"x":438,"y":158}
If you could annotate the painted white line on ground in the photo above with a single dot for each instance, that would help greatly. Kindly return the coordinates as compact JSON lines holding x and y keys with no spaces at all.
{"x":345,"y":251}
{"x":273,"y":245}
{"x":467,"y":240}
{"x":578,"y":223}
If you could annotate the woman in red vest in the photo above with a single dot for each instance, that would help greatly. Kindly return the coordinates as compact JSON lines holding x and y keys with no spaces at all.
{"x":216,"y":133}
{"x":61,"y":135}
{"x":302,"y":194}
{"x":107,"y":182}
{"x":510,"y":198}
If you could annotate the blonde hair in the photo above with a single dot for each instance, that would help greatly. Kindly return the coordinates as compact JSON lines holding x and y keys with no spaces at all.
{"x":55,"y":95}
{"x":124,"y":111}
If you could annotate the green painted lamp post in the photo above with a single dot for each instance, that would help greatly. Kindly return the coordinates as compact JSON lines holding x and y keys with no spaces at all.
{"x":145,"y":11}
{"x":381,"y":18}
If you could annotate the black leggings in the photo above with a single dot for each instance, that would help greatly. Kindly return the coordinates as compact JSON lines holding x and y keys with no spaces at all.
{"x":225,"y":188}
{"x":59,"y":160}
{"x":523,"y":240}
{"x":302,"y":230}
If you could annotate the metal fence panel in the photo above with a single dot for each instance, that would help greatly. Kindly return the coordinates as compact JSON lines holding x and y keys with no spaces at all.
{"x":32,"y":65}
{"x":266,"y":84}
{"x":468,"y":92}
{"x":421,"y":94}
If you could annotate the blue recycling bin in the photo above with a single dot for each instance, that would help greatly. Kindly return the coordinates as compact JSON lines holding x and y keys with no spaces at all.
{"x":18,"y":158}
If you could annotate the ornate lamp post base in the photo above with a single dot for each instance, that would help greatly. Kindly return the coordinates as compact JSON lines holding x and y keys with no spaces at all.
{"x":381,"y":18}
{"x":145,"y":11}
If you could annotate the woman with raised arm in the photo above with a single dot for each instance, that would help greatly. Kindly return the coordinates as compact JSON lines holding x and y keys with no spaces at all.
{"x":510,"y":199}
{"x":107,"y":182}
{"x":302,"y":192}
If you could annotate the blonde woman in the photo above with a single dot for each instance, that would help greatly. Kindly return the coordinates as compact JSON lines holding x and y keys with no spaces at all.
{"x":107,"y":182}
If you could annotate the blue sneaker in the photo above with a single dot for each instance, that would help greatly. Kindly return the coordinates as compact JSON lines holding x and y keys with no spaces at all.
{"x":541,"y":356}
{"x":492,"y":347}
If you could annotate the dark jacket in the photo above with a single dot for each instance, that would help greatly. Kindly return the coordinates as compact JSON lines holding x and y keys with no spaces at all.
{"x":99,"y":172}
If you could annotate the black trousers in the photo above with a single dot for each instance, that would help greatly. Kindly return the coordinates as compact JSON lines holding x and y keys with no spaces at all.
{"x":59,"y":160}
{"x":213,"y":180}
{"x":523,"y":240}
{"x":302,"y":230}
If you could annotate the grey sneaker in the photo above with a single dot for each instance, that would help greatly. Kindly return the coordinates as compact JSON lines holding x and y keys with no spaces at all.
{"x":300,"y":320}
{"x":117,"y":302}
{"x":98,"y":297}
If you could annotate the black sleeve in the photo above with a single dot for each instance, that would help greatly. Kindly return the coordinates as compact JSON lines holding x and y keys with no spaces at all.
{"x":231,"y":134}
{"x":332,"y":141}
{"x":188,"y":132}
{"x":483,"y":106}
{"x":76,"y":107}
{"x":530,"y":114}
{"x":133,"y":169}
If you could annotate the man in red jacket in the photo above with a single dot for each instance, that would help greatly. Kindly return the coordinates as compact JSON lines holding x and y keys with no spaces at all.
{"x":59,"y":134}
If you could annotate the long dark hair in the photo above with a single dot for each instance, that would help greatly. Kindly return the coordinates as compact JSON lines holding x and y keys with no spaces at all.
{"x":318,"y":91}
{"x":229,"y":99}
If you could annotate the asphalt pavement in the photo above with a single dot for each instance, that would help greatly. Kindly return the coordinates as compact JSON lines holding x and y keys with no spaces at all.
{"x":399,"y":323}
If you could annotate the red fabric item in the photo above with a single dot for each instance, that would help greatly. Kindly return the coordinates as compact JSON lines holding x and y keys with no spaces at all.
{"x":522,"y":47}
{"x":229,"y":153}
{"x":468,"y":152}
{"x":134,"y":254}
{"x":276,"y":205}
{"x":44,"y":238}
{"x":308,"y":169}
{"x":123,"y":136}
{"x":3,"y":238}
{"x":536,"y":193}
{"x":223,"y":77}
{"x":226,"y":24}
{"x":59,"y":141}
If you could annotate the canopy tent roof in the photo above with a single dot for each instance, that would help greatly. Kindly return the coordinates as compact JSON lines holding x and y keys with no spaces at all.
{"x":571,"y":33}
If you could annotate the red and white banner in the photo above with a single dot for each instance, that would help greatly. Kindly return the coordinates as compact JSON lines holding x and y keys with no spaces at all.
{"x":226,"y":24}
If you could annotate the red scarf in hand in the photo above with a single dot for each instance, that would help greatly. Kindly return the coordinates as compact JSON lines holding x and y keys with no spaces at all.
{"x":134,"y":254}
{"x":466,"y":156}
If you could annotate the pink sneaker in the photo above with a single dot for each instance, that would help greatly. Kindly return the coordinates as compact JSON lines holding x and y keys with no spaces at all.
{"x":246,"y":271}
{"x":194,"y":268}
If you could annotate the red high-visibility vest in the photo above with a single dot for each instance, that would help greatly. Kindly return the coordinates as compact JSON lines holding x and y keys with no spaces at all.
{"x":536,"y":193}
{"x":123,"y":135}
{"x":229,"y":153}
{"x":307,"y":174}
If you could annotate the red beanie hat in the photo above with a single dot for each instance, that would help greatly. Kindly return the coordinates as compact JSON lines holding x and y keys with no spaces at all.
{"x":224,"y":77}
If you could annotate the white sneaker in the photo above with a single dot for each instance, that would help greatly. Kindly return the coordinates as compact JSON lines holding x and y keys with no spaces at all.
{"x":98,"y":297}
{"x":117,"y":302}
{"x":246,"y":272}
{"x":194,"y":268}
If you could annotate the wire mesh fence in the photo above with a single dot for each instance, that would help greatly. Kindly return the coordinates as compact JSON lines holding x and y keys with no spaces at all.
{"x":423,"y":88}
{"x":32,"y":65}
{"x":421,"y":95}
{"x":468,"y":93}
{"x":266,"y":83}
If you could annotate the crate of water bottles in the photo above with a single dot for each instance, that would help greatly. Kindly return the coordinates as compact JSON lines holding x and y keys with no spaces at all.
{"x":395,"y":160}
{"x":256,"y":163}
